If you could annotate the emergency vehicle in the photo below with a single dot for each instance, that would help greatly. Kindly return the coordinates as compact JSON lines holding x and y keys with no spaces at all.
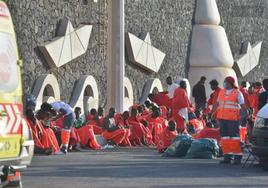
{"x":16,"y":143}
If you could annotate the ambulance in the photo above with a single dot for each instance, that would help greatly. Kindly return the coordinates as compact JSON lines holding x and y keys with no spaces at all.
{"x":16,"y":143}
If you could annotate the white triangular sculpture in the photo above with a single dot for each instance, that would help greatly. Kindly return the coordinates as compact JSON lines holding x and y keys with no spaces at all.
{"x":69,"y":44}
{"x":249,"y":58}
{"x":210,"y":53}
{"x":207,"y":13}
{"x":142,"y":53}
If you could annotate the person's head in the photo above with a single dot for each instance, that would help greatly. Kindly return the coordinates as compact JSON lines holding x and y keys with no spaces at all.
{"x":214,"y":84}
{"x":229,"y":82}
{"x":154,"y":107}
{"x":30,"y":115}
{"x":198,"y":114}
{"x":134,"y":112}
{"x":172,"y":125}
{"x":169,"y":80}
{"x":145,"y":123}
{"x":30,"y":102}
{"x":43,"y":116}
{"x":93,"y":112}
{"x":243,"y":84}
{"x":46,"y":107}
{"x":100,"y":111}
{"x":77,"y":112}
{"x":141,"y":108}
{"x":147,"y":104}
{"x":183,"y":84}
{"x":258,"y":85}
{"x":265,"y":84}
{"x":112,"y":112}
{"x":151,"y":97}
{"x":251,"y":90}
{"x":156,"y":113}
{"x":203,"y":80}
{"x":125,"y":115}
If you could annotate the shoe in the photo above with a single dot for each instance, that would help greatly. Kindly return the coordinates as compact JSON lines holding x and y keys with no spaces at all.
{"x":64,"y":149}
{"x":225,"y":162}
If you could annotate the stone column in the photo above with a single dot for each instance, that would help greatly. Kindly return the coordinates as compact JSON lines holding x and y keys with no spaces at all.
{"x":116,"y":54}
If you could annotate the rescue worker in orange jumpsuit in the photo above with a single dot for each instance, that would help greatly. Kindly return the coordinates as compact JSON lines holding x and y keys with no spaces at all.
{"x":230,"y":101}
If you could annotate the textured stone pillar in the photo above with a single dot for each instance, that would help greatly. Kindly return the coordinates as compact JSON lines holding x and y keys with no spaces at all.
{"x":116,"y":55}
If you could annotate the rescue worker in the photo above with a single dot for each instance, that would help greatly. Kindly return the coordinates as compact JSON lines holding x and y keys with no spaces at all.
{"x":61,"y":109}
{"x":228,"y":113}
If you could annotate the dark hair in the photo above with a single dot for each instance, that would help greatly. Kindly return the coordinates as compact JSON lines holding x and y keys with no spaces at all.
{"x":100,"y":111}
{"x":265,"y":83}
{"x":93,"y":111}
{"x":77,"y":109}
{"x":203,"y":78}
{"x":182,"y":83}
{"x":172,"y":125}
{"x":258,"y":84}
{"x":46,"y":106}
{"x":214,"y":82}
{"x":147,"y":104}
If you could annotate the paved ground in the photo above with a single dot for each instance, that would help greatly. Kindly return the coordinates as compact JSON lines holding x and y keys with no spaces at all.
{"x":139,"y":167}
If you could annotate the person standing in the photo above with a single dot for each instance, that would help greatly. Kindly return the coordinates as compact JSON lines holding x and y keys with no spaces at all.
{"x":199,"y":94}
{"x":230,"y":101}
{"x":61,"y":109}
{"x":214,"y":85}
{"x":171,"y":87}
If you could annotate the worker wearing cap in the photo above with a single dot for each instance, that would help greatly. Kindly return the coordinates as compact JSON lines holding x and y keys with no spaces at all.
{"x":230,"y":101}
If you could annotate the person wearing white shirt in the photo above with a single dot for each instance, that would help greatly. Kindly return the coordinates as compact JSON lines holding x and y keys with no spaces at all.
{"x":171,"y":87}
{"x":62,"y":109}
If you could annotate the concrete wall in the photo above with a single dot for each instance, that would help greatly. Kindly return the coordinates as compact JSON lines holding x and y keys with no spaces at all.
{"x":247,"y":21}
{"x":170,"y":24}
{"x":36,"y":23}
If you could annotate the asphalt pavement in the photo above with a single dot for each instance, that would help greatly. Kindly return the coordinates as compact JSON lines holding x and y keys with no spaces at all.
{"x":136,"y":167}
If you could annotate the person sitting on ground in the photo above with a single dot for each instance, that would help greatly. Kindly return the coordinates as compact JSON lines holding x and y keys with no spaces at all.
{"x":138,"y":136}
{"x":155,"y":124}
{"x":64,"y":111}
{"x":209,"y":132}
{"x":85,"y":132}
{"x":166,"y":136}
{"x":113,"y":132}
{"x":199,"y":116}
{"x":42,"y":144}
{"x":78,"y":122}
{"x":160,"y":98}
{"x":96,"y":121}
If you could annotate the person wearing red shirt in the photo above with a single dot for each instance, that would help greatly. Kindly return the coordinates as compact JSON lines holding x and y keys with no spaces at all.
{"x":166,"y":136}
{"x":180,"y":102}
{"x":214,"y":85}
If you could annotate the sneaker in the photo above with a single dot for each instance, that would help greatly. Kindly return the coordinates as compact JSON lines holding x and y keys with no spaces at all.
{"x":64,"y":149}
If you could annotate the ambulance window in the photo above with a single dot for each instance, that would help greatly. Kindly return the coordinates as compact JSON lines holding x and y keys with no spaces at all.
{"x":8,"y":63}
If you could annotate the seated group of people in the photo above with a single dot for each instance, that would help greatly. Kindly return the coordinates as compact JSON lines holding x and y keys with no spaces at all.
{"x":143,"y":125}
